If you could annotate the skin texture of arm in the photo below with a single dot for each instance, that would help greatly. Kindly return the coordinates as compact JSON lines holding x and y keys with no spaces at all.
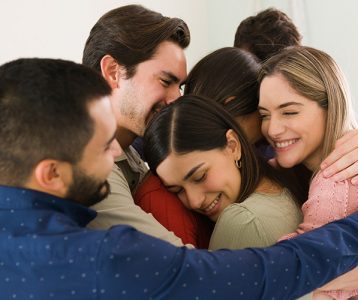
{"x":345,"y":282}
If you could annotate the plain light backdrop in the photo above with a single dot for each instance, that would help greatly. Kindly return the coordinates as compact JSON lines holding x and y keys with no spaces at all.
{"x":59,"y":28}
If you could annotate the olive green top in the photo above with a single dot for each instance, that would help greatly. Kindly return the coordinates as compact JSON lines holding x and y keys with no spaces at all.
{"x":259,"y":221}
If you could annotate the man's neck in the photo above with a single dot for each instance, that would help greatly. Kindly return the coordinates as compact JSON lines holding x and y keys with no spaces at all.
{"x":125,"y":137}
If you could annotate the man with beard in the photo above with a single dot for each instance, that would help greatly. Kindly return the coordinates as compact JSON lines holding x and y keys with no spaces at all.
{"x":57,"y":134}
{"x":47,"y":118}
{"x":140,"y":53}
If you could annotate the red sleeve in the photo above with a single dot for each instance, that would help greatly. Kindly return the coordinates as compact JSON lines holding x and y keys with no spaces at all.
{"x":190,"y":226}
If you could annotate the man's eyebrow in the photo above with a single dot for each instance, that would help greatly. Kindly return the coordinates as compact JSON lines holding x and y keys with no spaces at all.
{"x":172,"y":77}
{"x":282,"y":105}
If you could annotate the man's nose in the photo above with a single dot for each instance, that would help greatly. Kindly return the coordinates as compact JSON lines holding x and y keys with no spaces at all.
{"x":116,"y":149}
{"x":173,"y":94}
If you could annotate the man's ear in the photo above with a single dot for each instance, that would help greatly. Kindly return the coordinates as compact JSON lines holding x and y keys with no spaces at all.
{"x":111,"y":71}
{"x":52,"y":176}
{"x":233,"y":144}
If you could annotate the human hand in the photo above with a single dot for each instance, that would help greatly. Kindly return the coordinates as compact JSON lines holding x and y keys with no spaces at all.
{"x":342,"y":163}
{"x":346,"y":282}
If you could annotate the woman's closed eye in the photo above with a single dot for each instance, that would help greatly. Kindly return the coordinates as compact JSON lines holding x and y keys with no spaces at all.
{"x":200,"y":178}
{"x":175,"y":190}
{"x":263,"y":116}
{"x":290,"y":113}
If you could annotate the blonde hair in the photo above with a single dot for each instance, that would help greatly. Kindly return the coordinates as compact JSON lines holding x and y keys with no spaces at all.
{"x":315,"y":75}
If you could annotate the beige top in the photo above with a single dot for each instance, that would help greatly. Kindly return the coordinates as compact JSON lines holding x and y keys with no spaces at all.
{"x":119,"y":208}
{"x":132,"y":167}
{"x":259,"y":221}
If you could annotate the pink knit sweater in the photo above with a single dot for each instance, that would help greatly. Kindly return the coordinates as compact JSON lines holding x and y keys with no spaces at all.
{"x":328,"y":201}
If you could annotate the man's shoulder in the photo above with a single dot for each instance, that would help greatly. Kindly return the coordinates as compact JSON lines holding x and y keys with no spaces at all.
{"x":135,"y":161}
{"x":132,"y":167}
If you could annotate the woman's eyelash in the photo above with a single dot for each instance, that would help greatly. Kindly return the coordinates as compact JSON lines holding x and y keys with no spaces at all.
{"x":201,"y":178}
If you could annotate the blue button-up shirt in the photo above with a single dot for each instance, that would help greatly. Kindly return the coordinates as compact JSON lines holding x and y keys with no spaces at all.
{"x":47,"y":253}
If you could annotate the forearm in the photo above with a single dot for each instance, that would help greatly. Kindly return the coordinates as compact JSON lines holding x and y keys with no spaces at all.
{"x":288,"y":270}
{"x":345,"y":282}
{"x":296,"y":267}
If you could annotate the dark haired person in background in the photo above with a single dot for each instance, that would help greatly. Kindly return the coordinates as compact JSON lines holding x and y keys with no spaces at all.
{"x":266,"y":33}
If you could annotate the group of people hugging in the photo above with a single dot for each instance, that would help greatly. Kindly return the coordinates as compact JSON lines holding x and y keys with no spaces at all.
{"x":254,"y":151}
{"x":235,"y":162}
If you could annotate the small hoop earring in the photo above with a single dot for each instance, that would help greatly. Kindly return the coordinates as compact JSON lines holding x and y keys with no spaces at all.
{"x":238,"y":163}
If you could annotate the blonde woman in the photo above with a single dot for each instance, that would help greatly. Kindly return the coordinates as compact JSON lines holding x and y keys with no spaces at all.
{"x":305,"y":108}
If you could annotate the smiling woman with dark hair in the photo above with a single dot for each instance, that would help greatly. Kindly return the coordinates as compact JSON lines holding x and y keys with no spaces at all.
{"x":201,"y":154}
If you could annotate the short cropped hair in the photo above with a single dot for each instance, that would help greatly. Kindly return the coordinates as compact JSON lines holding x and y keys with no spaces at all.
{"x":266,"y":33}
{"x":44,"y":114}
{"x":131,"y":34}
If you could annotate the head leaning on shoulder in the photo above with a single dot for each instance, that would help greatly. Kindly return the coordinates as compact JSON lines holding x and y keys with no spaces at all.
{"x":194,"y":138}
{"x":305,"y":105}
{"x":141,"y":55}
{"x":56,"y":129}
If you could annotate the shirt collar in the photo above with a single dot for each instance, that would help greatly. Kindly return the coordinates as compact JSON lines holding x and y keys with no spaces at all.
{"x":21,"y":198}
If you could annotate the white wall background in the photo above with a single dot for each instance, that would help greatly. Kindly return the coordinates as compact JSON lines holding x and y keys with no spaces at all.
{"x":329,"y":25}
{"x":59,"y":28}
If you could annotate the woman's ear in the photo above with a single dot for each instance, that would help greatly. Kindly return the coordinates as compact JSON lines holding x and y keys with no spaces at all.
{"x":52,"y":176}
{"x":111,"y":71}
{"x":233,"y":144}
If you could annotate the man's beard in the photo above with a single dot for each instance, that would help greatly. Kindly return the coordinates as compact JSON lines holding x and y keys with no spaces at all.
{"x":85,"y":189}
{"x":130,"y":109}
